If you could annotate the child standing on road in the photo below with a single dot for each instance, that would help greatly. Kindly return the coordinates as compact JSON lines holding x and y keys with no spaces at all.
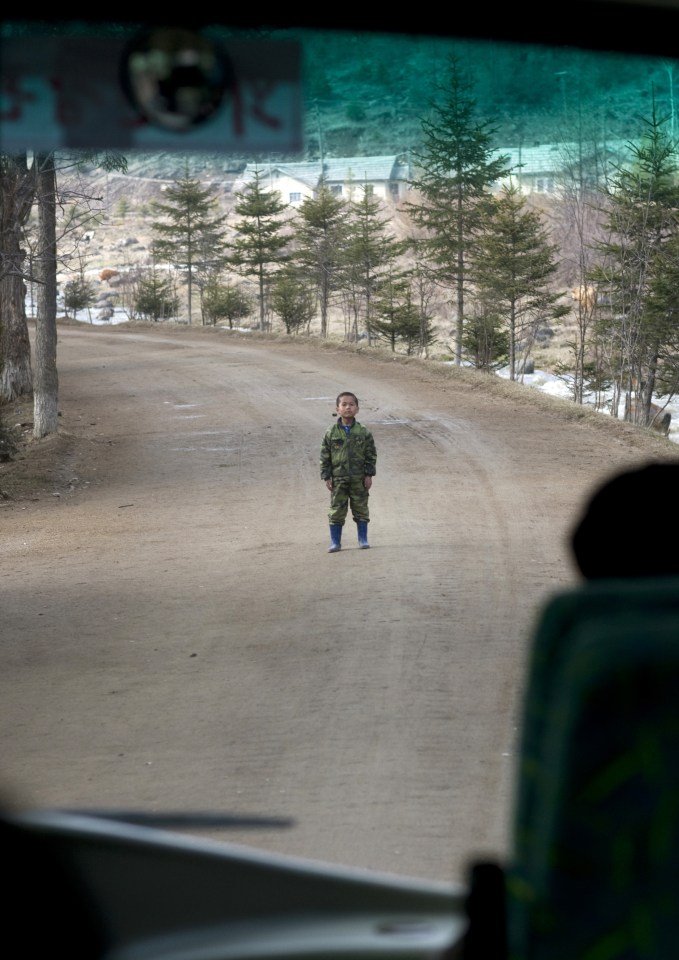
{"x":348,"y":459}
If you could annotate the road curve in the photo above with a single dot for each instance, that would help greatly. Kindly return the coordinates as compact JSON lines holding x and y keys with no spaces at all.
{"x":176,"y":636}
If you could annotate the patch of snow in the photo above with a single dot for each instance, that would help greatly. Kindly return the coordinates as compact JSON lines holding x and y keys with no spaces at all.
{"x":562,"y":387}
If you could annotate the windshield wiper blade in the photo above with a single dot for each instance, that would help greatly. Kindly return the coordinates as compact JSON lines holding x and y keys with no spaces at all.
{"x":183,"y":820}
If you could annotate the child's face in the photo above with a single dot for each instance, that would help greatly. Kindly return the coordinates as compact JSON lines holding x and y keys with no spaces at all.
{"x":347,"y":408}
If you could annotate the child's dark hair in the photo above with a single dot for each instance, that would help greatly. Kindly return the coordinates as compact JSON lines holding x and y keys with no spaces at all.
{"x":346,"y":393}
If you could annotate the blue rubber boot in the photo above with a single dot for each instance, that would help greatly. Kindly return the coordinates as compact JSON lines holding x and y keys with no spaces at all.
{"x":363,"y":534}
{"x":335,"y":538}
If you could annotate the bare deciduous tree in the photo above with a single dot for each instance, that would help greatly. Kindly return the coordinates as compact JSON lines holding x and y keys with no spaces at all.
{"x":17,"y":190}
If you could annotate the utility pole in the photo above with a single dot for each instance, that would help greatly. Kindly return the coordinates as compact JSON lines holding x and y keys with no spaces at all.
{"x":561,"y":75}
{"x":320,"y":134}
{"x":669,"y":67}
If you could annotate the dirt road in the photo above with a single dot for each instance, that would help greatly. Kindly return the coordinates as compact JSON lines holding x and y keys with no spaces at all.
{"x":176,"y":637}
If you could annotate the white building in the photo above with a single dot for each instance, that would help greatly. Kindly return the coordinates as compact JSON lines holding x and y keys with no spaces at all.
{"x":542,"y":167}
{"x":384,"y":177}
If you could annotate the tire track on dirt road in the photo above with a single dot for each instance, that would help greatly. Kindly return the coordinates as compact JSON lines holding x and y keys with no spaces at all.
{"x":175,"y":635}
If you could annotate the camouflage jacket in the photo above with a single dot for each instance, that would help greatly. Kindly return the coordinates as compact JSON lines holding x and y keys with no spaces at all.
{"x":345,"y":455}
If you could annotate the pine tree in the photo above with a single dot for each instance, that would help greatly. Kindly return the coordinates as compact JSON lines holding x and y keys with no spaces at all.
{"x":155,"y":298}
{"x":398,"y":318}
{"x":293,"y":298}
{"x":642,"y":206}
{"x":191,"y":235}
{"x":456,"y":171}
{"x":662,"y":310}
{"x":513,"y":265}
{"x":486,"y":339}
{"x":258,"y":249}
{"x":320,"y":240}
{"x":79,"y":294}
{"x":224,"y":301}
{"x":369,"y":252}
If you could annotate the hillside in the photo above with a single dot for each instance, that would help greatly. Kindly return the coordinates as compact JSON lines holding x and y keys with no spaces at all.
{"x":118,"y":235}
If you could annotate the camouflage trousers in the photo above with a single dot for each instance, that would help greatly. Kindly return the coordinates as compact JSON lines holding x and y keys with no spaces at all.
{"x":346,"y":493}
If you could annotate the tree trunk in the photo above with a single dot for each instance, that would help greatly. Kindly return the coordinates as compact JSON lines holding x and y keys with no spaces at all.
{"x":46,"y":381}
{"x":459,"y":322}
{"x":17,"y":190}
{"x":324,"y":298}
{"x":262,"y":322}
{"x":189,"y":285}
